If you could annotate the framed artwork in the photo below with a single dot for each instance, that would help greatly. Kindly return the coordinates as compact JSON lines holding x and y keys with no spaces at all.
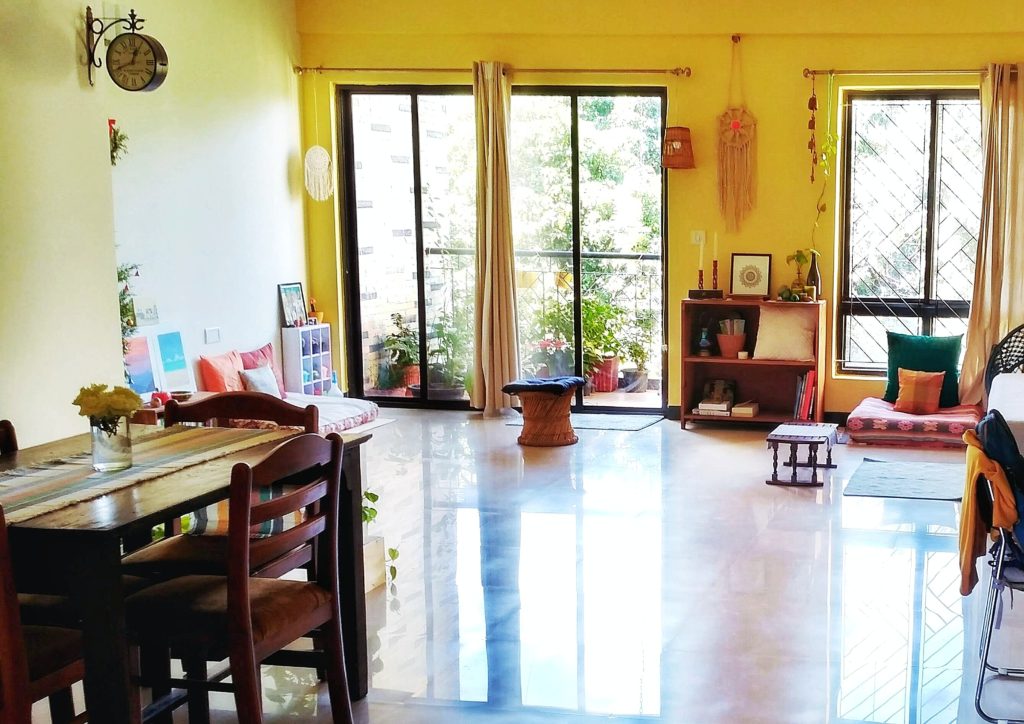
{"x":139,"y":365}
{"x":293,"y":304}
{"x":751,"y":275}
{"x":177,"y":375}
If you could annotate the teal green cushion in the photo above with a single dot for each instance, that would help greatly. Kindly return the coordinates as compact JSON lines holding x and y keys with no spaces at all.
{"x":925,"y":354}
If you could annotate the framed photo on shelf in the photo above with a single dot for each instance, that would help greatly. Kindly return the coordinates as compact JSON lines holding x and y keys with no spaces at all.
{"x":293,"y":304}
{"x":751,"y":275}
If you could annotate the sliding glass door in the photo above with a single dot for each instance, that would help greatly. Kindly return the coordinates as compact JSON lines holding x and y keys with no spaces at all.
{"x":588,"y":220}
{"x":411,"y":225}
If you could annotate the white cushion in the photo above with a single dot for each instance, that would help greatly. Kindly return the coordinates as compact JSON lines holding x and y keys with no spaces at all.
{"x":1007,"y":396}
{"x":261,"y":379}
{"x":785,"y":334}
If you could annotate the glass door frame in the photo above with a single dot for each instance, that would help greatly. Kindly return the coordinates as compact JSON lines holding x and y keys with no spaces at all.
{"x":573,"y":92}
{"x":347,"y":210}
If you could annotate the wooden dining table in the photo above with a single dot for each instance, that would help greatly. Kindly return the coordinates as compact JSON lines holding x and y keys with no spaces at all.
{"x":75,"y":550}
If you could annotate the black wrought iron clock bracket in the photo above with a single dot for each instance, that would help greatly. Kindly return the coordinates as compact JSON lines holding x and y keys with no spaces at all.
{"x":95,"y":28}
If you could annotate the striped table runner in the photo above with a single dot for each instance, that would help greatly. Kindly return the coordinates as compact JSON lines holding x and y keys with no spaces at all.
{"x":32,"y":491}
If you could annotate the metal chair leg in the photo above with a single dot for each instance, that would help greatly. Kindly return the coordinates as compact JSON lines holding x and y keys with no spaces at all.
{"x":992,"y":602}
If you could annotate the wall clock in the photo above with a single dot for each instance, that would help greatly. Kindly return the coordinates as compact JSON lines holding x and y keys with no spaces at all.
{"x":136,"y":62}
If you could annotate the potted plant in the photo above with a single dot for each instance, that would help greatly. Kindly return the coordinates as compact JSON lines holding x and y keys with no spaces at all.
{"x":401,"y":365}
{"x":801,"y":257}
{"x":638,"y":337}
{"x":448,"y":354}
{"x":602,"y":343}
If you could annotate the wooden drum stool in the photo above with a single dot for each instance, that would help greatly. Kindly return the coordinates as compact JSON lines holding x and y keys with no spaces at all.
{"x":546,"y":402}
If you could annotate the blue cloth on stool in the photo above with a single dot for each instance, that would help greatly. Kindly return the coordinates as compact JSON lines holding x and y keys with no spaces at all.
{"x":554,"y":385}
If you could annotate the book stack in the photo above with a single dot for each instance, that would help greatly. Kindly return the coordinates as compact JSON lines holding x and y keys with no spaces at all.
{"x":806,"y":391}
{"x":713,"y":408}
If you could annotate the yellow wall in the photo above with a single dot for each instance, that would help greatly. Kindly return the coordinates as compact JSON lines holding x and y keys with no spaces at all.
{"x":780,"y":39}
{"x":209,"y":182}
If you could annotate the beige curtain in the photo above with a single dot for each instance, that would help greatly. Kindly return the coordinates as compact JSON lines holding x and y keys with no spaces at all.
{"x":998,"y":302}
{"x":496,"y":357}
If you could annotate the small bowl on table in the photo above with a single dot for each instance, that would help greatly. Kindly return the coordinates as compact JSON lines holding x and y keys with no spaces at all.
{"x":181,"y":395}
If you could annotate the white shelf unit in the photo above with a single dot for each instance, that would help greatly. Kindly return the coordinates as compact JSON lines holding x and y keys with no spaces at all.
{"x":306,"y":354}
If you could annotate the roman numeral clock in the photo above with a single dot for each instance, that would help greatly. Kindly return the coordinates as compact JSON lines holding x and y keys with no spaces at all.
{"x":135,"y":62}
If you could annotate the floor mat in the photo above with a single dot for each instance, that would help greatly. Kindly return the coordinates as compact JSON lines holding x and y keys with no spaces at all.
{"x":594,"y":421}
{"x":892,"y":479}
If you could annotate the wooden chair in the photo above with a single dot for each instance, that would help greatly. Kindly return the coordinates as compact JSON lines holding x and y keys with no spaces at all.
{"x":249,"y":619}
{"x":181,"y":555}
{"x":8,"y":440}
{"x":36,"y":662}
{"x":219,"y":410}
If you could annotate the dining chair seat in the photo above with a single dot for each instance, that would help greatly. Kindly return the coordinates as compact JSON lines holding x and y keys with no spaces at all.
{"x":195,"y":609}
{"x":50,"y":609}
{"x":185,"y":555}
{"x":49,"y":648}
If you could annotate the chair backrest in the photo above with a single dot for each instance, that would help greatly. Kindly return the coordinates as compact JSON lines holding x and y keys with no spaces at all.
{"x":1007,"y":356}
{"x":8,"y":440}
{"x":999,"y":444}
{"x":14,"y":704}
{"x":309,"y":467}
{"x":226,"y":406}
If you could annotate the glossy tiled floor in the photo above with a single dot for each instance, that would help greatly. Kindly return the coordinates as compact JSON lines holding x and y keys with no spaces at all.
{"x":653,"y":576}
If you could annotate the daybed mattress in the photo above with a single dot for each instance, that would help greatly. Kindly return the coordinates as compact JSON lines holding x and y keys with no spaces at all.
{"x":337,"y":414}
{"x":875,"y":421}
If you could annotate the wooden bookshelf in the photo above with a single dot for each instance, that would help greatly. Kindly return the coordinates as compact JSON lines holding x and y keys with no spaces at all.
{"x":771,"y":383}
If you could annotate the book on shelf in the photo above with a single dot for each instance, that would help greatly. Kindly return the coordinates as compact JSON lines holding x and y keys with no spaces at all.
{"x":715,"y":405}
{"x":711,"y":413}
{"x":807,"y":399}
{"x":746,"y":409}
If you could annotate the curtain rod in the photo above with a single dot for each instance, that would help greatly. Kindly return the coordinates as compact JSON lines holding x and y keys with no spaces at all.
{"x":685,"y":71}
{"x":954,"y":71}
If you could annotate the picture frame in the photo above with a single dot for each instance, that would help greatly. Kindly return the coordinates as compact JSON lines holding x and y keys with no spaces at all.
{"x":293,"y":304}
{"x":750,"y":275}
{"x":176,"y":370}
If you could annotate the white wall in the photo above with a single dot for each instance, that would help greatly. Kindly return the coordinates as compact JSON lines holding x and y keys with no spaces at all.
{"x":207,"y":199}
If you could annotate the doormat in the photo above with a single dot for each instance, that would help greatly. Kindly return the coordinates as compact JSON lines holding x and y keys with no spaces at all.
{"x":892,"y":479}
{"x":594,"y":421}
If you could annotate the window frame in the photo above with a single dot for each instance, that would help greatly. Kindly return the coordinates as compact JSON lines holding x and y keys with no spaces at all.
{"x":574,"y":92}
{"x":928,"y":308}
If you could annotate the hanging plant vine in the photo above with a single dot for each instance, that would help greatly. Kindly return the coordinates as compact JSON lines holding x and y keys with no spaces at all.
{"x":118,"y":142}
{"x":826,"y":158}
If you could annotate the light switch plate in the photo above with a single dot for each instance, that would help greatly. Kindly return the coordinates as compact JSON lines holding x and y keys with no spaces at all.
{"x":211,"y":335}
{"x":698,"y":237}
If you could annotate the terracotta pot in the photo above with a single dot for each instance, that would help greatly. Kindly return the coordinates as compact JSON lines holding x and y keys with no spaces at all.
{"x":731,"y":344}
{"x":606,"y":376}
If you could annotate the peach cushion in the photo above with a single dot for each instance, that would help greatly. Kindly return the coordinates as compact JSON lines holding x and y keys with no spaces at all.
{"x":263,"y":357}
{"x":220,"y":373}
{"x":919,"y":392}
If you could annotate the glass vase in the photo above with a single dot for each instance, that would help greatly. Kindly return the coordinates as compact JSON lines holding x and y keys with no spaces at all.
{"x":111,"y":443}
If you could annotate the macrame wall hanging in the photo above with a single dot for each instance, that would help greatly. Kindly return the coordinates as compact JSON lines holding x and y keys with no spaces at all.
{"x":319,"y":173}
{"x":737,"y":152}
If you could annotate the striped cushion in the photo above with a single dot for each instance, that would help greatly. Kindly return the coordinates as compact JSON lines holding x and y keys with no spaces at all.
{"x":213,"y":520}
{"x":919,"y":392}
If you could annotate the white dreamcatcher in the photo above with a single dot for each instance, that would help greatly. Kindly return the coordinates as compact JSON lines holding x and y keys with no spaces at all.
{"x":318,"y":166}
{"x":737,"y":154}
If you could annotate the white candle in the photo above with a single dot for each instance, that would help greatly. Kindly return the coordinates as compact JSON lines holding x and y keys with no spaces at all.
{"x":700,"y":264}
{"x":714,"y":252}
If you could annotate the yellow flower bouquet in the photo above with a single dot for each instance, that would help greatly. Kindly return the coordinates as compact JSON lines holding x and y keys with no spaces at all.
{"x":104,"y":407}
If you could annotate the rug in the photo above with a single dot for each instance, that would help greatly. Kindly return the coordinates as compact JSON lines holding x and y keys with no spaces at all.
{"x":594,"y":421}
{"x":892,"y":479}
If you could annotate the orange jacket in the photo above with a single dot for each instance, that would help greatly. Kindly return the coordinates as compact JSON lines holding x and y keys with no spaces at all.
{"x":973,"y":527}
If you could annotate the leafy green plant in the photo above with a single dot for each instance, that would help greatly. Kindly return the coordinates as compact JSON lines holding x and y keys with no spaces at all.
{"x":369,"y":506}
{"x":450,"y":346}
{"x":638,"y":338}
{"x":403,"y":344}
{"x":124,"y":300}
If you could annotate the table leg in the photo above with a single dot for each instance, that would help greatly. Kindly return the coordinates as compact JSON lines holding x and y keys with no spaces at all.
{"x":110,"y":694}
{"x":353,"y":599}
{"x":792,"y":460}
{"x":828,"y":455}
{"x":775,"y":461}
{"x":812,"y":461}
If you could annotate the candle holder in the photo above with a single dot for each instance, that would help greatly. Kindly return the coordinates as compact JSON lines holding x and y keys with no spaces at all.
{"x":714,"y":273}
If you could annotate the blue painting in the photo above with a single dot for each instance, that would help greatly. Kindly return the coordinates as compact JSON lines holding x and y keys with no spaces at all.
{"x":177,"y":375}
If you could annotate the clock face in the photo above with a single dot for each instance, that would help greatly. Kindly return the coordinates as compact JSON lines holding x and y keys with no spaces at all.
{"x":136,"y":62}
